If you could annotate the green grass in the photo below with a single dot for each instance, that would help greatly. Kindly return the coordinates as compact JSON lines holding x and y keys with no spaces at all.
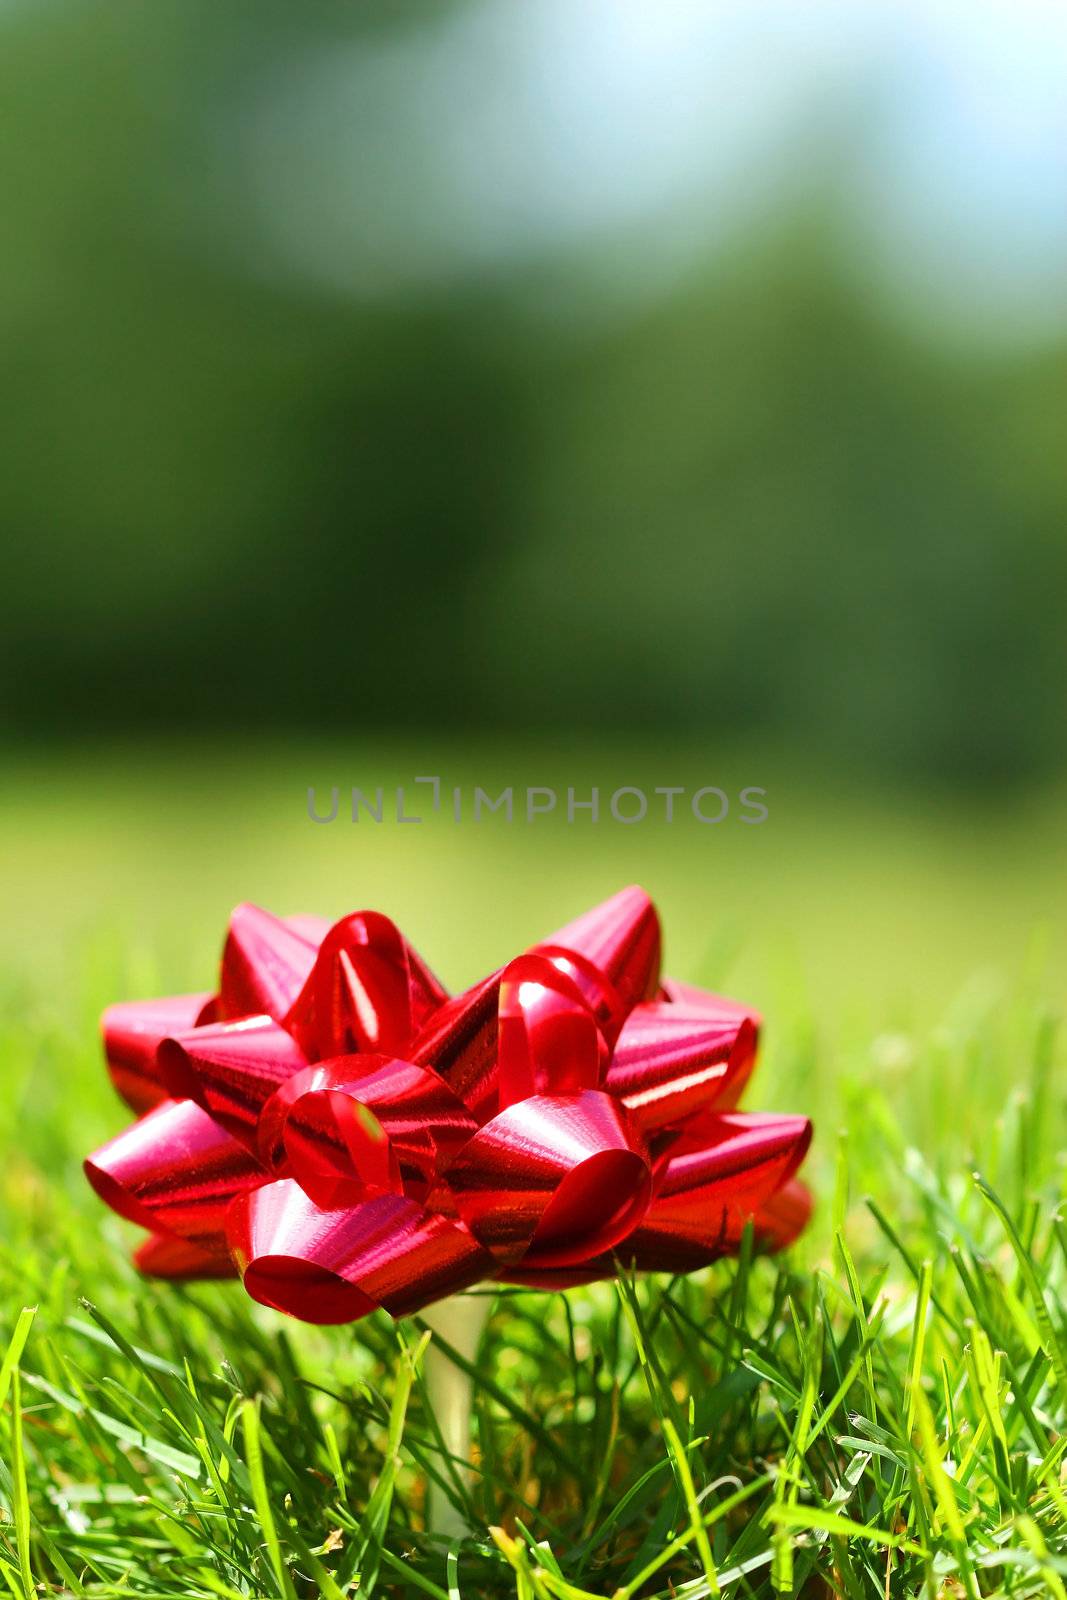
{"x":882,"y":1412}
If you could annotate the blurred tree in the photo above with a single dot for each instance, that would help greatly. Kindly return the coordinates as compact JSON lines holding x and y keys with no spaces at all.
{"x":236,"y":497}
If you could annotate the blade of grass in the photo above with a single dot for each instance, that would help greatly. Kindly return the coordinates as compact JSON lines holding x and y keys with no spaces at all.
{"x":261,"y":1497}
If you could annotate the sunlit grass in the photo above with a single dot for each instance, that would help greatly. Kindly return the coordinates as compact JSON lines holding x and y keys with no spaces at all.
{"x":885,"y":1411}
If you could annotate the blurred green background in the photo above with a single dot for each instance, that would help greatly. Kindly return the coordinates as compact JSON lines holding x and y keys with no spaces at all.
{"x":582,"y":393}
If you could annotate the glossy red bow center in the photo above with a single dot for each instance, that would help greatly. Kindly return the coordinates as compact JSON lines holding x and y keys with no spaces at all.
{"x":336,"y":1129}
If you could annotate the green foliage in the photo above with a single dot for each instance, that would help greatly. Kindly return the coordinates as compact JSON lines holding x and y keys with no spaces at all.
{"x":884,"y":1412}
{"x":771,"y":491}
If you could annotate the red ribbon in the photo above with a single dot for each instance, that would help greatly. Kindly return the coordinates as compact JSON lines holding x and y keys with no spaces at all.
{"x":335,"y":1128}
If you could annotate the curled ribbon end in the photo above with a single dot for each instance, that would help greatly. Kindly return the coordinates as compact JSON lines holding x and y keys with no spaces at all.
{"x":112,"y":1192}
{"x":596,"y":1205}
{"x":304,"y":1290}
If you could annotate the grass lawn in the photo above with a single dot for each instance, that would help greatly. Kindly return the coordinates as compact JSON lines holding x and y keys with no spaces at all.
{"x":884,"y":1412}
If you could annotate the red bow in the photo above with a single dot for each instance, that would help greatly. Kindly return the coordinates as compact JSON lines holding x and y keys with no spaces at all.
{"x":335,"y":1128}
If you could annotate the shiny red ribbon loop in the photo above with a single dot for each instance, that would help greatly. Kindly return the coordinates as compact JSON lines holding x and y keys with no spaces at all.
{"x":132,"y":1033}
{"x":367,"y":991}
{"x":367,"y":1122}
{"x":548,"y":1041}
{"x":554,"y":1176}
{"x":334,"y":1127}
